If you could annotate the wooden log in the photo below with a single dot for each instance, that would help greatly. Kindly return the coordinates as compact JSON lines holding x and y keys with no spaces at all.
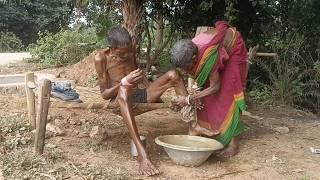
{"x":138,"y":108}
{"x":29,"y":78}
{"x":43,"y":106}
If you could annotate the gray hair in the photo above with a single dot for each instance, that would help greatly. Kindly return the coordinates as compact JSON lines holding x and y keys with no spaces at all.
{"x":182,"y":52}
{"x":118,"y":36}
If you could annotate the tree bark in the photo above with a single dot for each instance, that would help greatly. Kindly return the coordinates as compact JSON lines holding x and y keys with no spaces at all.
{"x":132,"y":11}
{"x":159,"y":29}
{"x":159,"y":49}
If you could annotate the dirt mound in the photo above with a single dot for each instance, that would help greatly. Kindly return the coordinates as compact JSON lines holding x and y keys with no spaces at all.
{"x":83,"y":72}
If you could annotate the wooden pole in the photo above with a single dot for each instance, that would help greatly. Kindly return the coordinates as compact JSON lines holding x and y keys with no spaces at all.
{"x":43,"y":106}
{"x":30,"y":100}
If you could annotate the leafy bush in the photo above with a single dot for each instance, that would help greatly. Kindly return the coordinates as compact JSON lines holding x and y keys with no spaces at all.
{"x":9,"y":42}
{"x":65,"y":47}
{"x":293,"y":78}
{"x":163,"y":62}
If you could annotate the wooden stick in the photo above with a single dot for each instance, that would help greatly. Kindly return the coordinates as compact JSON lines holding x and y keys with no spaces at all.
{"x":43,"y":106}
{"x":30,"y":100}
{"x":266,"y":54}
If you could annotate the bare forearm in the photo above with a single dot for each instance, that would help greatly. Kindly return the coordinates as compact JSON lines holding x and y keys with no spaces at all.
{"x":206,"y":92}
{"x":110,"y":92}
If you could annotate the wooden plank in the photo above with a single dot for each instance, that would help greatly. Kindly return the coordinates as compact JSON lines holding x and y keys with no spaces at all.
{"x":43,"y":107}
{"x":29,"y":78}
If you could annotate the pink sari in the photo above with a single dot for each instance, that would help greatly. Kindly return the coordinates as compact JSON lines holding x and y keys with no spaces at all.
{"x":222,"y":109}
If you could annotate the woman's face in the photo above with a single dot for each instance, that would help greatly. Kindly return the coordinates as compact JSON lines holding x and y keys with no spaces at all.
{"x":188,"y":67}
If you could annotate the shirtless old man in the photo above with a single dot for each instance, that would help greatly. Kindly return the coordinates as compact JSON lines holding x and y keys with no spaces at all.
{"x":119,"y":78}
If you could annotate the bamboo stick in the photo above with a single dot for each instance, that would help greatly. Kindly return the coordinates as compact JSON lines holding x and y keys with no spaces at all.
{"x":43,"y":106}
{"x":29,"y":77}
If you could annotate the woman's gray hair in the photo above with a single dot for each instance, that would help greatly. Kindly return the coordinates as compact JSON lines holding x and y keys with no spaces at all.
{"x":182,"y":52}
{"x":118,"y":36}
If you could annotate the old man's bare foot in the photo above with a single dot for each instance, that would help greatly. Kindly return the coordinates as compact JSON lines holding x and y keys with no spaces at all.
{"x":231,"y":150}
{"x":196,"y":130}
{"x":147,"y":168}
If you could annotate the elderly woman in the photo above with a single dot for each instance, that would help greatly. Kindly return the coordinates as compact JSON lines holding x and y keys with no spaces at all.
{"x":217,"y":59}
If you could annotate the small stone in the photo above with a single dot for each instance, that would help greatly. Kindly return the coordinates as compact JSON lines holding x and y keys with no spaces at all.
{"x":297,"y":170}
{"x":82,"y":135}
{"x":23,"y":141}
{"x":83,"y":121}
{"x":22,"y":129}
{"x":72,"y":122}
{"x":51,"y":146}
{"x":282,"y":130}
{"x":54,"y":129}
{"x":13,"y":114}
{"x":98,"y":133}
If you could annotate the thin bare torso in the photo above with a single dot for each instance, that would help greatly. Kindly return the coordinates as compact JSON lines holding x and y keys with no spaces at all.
{"x":112,"y":68}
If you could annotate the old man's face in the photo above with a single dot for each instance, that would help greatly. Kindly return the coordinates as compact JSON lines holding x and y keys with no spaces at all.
{"x":124,"y":52}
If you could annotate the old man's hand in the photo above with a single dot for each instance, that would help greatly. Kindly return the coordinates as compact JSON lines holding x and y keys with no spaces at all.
{"x":135,"y":76}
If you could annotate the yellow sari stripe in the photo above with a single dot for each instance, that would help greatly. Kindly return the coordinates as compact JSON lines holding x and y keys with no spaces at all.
{"x":203,"y":59}
{"x":227,"y":121}
{"x":233,"y":37}
{"x":205,"y":56}
{"x":239,"y":96}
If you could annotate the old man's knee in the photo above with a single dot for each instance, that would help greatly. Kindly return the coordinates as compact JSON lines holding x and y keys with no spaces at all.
{"x":173,"y":75}
{"x":123,"y":94}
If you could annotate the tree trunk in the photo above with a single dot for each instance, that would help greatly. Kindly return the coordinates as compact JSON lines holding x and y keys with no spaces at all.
{"x":149,"y":46}
{"x":132,"y":11}
{"x":159,"y":49}
{"x":159,"y":30}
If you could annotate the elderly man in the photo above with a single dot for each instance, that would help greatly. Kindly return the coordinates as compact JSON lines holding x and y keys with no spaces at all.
{"x":217,"y":59}
{"x":119,"y":78}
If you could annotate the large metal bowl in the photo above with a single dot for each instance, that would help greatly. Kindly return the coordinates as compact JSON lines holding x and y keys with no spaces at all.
{"x":188,"y":150}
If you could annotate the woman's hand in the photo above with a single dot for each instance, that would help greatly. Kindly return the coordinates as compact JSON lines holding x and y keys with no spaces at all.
{"x":199,"y":104}
{"x":180,"y":101}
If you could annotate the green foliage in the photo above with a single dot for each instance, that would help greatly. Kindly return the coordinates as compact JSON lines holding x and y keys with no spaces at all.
{"x":9,"y":42}
{"x":164,"y":62}
{"x":292,"y":78}
{"x":261,"y":94}
{"x":93,"y":79}
{"x":64,"y":47}
{"x":25,"y":18}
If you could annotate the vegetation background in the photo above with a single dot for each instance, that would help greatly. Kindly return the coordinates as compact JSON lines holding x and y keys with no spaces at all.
{"x":61,"y":32}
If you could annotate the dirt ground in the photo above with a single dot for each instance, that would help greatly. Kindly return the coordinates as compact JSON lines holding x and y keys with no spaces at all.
{"x":264,"y":153}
